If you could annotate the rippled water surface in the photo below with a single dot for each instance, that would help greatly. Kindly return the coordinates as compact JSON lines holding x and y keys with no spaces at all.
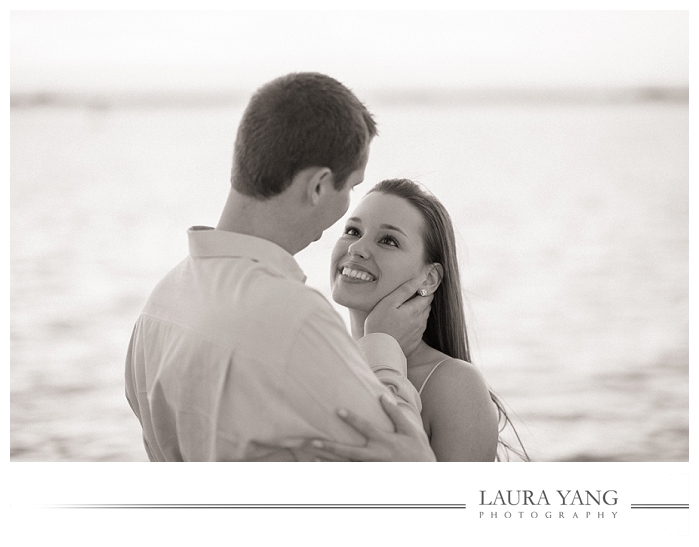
{"x":573,"y":230}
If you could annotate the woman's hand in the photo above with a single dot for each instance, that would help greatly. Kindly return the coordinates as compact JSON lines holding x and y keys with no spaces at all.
{"x":408,"y":443}
{"x":402,"y":315}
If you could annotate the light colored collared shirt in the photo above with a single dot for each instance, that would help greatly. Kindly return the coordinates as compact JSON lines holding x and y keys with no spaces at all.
{"x":234,"y":358}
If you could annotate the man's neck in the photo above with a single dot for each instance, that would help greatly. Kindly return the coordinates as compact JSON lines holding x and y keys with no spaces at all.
{"x":267,"y":219}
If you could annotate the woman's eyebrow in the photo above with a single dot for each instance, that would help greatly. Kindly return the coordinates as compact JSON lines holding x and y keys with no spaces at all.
{"x":391,"y":227}
{"x":358,"y":220}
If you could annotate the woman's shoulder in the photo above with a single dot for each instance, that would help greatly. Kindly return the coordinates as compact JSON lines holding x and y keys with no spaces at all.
{"x":460,"y":413}
{"x":456,"y":375}
{"x":456,"y":388}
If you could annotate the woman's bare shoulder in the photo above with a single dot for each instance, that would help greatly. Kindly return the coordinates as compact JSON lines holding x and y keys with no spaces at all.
{"x":461,"y":414}
{"x":463,"y":373}
{"x":457,"y":383}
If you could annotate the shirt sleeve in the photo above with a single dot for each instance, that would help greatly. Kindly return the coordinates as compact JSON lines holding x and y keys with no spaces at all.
{"x":385,"y":358}
{"x":326,"y":370}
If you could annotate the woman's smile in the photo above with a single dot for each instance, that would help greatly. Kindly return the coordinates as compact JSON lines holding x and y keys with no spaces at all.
{"x":355,"y":274}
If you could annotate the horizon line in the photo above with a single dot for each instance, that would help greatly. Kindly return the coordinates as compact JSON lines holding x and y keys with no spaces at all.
{"x":105,"y":99}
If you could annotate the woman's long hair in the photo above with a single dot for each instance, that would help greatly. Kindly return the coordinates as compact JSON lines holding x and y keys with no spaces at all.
{"x":446,"y":326}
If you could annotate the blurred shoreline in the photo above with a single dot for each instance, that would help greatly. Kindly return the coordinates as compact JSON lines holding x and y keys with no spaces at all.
{"x":100,"y":100}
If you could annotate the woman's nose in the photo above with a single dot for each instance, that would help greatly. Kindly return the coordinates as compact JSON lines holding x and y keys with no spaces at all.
{"x":359,"y":249}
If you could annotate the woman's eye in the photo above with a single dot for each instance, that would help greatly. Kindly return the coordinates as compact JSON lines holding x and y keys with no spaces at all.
{"x":349,"y":231}
{"x":388,"y":240}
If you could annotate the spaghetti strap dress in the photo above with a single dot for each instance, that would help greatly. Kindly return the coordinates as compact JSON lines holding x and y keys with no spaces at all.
{"x":430,"y":374}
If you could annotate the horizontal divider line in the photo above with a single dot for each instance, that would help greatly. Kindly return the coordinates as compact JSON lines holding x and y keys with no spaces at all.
{"x":660,"y":506}
{"x":256,"y":506}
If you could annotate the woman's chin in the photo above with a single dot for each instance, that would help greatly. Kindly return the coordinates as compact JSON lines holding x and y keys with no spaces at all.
{"x":352,"y":302}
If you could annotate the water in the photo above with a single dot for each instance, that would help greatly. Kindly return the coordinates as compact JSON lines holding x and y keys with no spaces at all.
{"x":572,"y":222}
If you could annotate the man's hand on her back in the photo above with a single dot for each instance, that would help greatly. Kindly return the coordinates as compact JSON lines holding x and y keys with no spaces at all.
{"x":401,"y":316}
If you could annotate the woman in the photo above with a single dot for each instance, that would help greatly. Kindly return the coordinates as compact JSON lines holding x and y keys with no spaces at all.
{"x":399,"y":232}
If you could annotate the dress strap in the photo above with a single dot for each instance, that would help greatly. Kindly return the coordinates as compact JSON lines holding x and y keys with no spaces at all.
{"x":430,"y":374}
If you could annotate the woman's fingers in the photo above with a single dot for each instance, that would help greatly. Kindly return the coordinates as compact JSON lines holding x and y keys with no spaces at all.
{"x":322,"y":450}
{"x":366,"y":428}
{"x":402,"y":294}
{"x":405,"y":444}
{"x":321,"y":455}
{"x":400,"y":421}
{"x":419,"y":306}
{"x":332,"y":451}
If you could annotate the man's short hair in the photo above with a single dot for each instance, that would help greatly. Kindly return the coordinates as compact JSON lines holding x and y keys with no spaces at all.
{"x":297,"y":121}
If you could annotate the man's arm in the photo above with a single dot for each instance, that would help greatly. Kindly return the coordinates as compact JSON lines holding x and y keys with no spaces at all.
{"x":326,"y":372}
{"x":379,"y":446}
{"x":385,"y":358}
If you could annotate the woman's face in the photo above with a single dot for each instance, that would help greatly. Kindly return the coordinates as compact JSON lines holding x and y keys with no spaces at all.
{"x":380,"y":249}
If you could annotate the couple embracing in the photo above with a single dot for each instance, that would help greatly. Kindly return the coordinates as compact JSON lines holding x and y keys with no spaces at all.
{"x":234,"y":358}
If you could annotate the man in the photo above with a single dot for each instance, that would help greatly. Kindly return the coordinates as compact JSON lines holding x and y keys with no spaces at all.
{"x":233,"y":358}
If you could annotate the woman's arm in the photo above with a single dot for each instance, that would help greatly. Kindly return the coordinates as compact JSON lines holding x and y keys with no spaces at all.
{"x":462,"y":417}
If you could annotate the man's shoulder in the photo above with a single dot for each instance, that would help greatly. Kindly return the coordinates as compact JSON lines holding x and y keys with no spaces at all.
{"x":238,"y":281}
{"x":246,"y":303}
{"x":288,"y":299}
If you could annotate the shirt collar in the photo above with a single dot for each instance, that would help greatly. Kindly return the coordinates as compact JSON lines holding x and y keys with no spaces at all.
{"x":206,"y":242}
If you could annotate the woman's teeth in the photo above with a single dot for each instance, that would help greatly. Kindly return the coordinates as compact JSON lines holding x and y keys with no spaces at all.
{"x":356,"y":274}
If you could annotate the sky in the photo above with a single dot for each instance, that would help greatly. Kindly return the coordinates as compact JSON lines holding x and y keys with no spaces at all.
{"x":210,"y":50}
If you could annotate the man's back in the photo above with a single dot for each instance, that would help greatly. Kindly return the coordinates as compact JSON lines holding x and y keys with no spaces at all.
{"x":234,"y":358}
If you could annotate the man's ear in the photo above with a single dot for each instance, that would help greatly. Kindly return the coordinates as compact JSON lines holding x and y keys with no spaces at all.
{"x":310,"y":183}
{"x":320,"y":181}
{"x":435,"y":274}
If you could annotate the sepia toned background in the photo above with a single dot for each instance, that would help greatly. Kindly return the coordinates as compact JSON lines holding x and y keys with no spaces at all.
{"x":558,"y":141}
